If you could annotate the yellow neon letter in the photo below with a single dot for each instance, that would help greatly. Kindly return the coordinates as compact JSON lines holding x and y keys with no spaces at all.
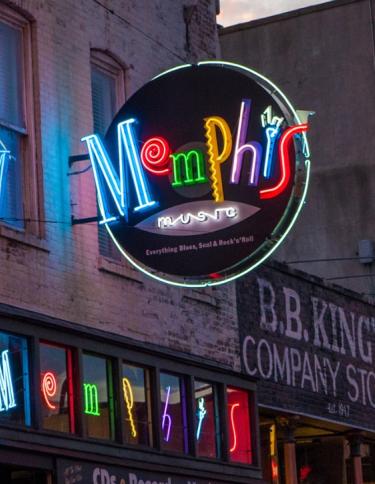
{"x":214,"y":158}
{"x":129,"y":400}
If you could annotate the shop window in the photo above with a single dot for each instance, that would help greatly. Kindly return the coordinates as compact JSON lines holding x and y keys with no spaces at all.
{"x":207,"y":433}
{"x":108,"y":95}
{"x":240,"y":449}
{"x":14,"y":380}
{"x":136,"y":398}
{"x":173,"y":413}
{"x":98,"y":396}
{"x":19,"y":198}
{"x":56,"y":386}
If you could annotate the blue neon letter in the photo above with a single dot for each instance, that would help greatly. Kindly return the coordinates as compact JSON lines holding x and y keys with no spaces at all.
{"x":106,"y":176}
{"x":200,"y":414}
{"x":6,"y":385}
{"x":272,"y":125}
{"x":4,"y":157}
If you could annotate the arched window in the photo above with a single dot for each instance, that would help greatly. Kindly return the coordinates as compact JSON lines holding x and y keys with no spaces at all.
{"x":108,"y":95}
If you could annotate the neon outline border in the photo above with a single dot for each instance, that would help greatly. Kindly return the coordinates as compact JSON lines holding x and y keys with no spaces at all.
{"x":277,"y":243}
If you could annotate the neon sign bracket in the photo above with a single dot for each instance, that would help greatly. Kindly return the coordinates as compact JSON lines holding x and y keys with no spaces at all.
{"x":75,"y":159}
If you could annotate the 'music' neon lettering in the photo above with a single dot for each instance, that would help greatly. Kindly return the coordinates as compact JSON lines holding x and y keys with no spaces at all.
{"x":7,"y":400}
{"x":166,"y":422}
{"x":200,"y":217}
{"x":91,"y":399}
{"x":241,"y":148}
{"x":106,"y":175}
{"x":129,"y":400}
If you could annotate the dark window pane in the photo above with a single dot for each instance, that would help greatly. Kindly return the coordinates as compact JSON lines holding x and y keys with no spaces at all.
{"x":14,"y":380}
{"x":97,"y":389}
{"x":103,"y":88}
{"x":207,"y":424}
{"x":11,"y":206}
{"x":11,"y":113}
{"x":56,"y":388}
{"x":173,"y":413}
{"x":239,"y":426}
{"x":135,"y":398}
{"x":11,"y":98}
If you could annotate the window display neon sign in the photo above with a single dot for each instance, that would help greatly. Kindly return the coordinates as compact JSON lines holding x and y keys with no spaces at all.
{"x":7,"y":399}
{"x":239,"y":145}
{"x":49,"y":388}
{"x":166,"y":423}
{"x":201,"y":413}
{"x":91,"y":397}
{"x":129,"y":400}
{"x":234,"y":432}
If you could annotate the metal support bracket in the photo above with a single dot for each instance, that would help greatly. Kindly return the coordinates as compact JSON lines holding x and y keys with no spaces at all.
{"x":81,"y":221}
{"x":75,"y":158}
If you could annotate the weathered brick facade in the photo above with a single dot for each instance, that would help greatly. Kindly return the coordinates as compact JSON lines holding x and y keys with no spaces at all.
{"x":62,"y":275}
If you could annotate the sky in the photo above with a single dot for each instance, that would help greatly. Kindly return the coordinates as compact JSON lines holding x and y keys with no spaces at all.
{"x":237,"y":11}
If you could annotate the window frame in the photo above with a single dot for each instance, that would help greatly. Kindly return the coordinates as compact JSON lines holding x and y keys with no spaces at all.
{"x":185,"y":402}
{"x":148,"y":380}
{"x":217,"y":420}
{"x":110,"y":66}
{"x":32,"y":194}
{"x":111,"y":389}
{"x":70,"y":364}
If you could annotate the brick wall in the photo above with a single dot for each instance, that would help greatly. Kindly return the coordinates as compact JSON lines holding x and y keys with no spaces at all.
{"x":63,"y":275}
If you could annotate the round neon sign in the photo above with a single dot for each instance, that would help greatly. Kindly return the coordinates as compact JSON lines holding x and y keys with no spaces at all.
{"x":202,"y":173}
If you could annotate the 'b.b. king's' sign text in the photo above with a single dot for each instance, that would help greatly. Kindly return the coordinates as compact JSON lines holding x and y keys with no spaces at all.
{"x":312,"y":348}
{"x":201,"y":173}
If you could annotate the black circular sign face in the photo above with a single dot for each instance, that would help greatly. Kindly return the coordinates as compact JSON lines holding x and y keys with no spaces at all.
{"x":202,"y":173}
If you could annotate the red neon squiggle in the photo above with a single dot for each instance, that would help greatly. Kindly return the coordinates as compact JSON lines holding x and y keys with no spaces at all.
{"x":49,"y":388}
{"x":155,"y":156}
{"x":235,"y":405}
{"x":285,"y":141}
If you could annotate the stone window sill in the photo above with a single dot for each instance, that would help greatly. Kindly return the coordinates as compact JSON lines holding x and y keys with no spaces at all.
{"x":23,"y":237}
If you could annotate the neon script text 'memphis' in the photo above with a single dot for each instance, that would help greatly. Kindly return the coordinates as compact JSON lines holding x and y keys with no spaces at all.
{"x":188,"y":168}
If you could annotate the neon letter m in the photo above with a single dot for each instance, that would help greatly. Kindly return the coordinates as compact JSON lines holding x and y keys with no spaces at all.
{"x":6,"y":385}
{"x":91,"y":399}
{"x":107,"y":180}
